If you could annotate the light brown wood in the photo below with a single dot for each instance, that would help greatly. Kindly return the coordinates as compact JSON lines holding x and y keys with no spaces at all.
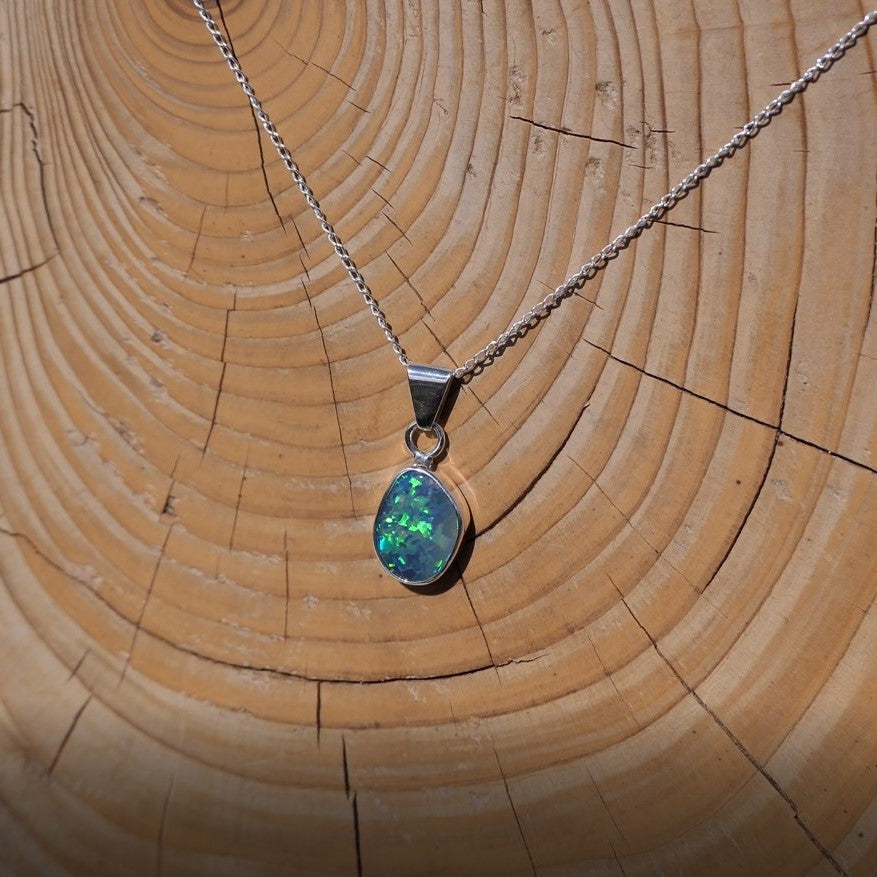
{"x":658,"y":656}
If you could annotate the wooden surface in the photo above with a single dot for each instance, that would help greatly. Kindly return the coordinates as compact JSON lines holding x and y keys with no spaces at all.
{"x":658,"y":654}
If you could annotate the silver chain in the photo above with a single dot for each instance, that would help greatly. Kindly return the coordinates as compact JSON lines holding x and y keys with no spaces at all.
{"x":591,"y":268}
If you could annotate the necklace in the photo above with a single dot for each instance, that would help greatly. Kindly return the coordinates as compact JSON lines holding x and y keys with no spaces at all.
{"x":419,"y":525}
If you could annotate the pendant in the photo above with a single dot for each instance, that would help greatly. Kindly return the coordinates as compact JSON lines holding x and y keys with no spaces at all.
{"x":419,"y":527}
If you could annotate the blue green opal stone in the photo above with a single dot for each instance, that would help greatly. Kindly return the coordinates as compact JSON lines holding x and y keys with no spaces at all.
{"x":418,"y":528}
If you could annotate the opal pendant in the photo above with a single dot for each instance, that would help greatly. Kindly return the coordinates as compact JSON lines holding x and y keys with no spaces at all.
{"x":418,"y":528}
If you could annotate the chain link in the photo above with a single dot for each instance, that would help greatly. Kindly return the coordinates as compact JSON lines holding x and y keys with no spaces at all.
{"x":598,"y":262}
{"x":299,"y":179}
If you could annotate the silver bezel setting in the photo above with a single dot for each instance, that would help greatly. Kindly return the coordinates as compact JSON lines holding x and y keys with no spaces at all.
{"x":420,"y":583}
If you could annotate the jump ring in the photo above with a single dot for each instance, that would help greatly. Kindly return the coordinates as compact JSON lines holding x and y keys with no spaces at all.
{"x":425,"y":458}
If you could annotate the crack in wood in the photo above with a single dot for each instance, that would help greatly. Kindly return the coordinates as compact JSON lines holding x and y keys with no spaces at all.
{"x":536,"y":478}
{"x":686,"y":225}
{"x":286,"y":580}
{"x":302,"y":244}
{"x":560,"y":129}
{"x":411,"y":285}
{"x":56,"y":565}
{"x":437,"y":340}
{"x":378,"y":163}
{"x":357,"y":839}
{"x":309,"y":62}
{"x":727,"y":408}
{"x":345,"y":767}
{"x":486,"y":410}
{"x":79,"y":664}
{"x":603,"y":802}
{"x":8,"y":278}
{"x":873,"y":279}
{"x":756,"y":495}
{"x":222,"y":370}
{"x":341,"y":443}
{"x":161,"y":825}
{"x":659,"y":554}
{"x":318,"y":718}
{"x":617,"y":860}
{"x":304,"y":267}
{"x":255,"y":668}
{"x":237,"y":505}
{"x":68,"y":734}
{"x":577,"y":293}
{"x":197,"y":240}
{"x":354,"y":805}
{"x":258,"y":128}
{"x":41,"y":162}
{"x":608,"y":675}
{"x":733,"y":738}
{"x":167,"y":507}
{"x":514,"y":810}
{"x":139,"y":621}
{"x":385,"y":200}
{"x":478,"y":622}
{"x":397,"y":227}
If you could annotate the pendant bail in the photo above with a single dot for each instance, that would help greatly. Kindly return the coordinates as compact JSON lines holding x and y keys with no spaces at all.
{"x":429,"y":390}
